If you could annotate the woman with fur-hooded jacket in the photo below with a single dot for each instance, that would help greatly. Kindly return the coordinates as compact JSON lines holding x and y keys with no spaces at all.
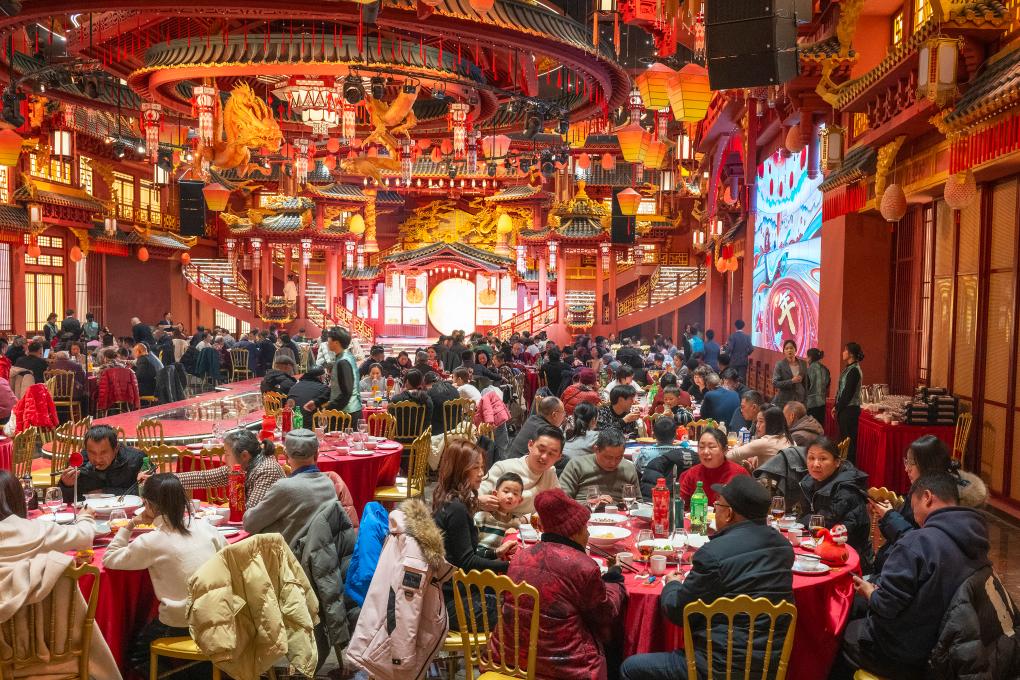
{"x":403,"y":620}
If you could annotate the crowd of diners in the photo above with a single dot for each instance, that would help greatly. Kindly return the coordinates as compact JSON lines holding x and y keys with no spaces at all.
{"x":538,"y":468}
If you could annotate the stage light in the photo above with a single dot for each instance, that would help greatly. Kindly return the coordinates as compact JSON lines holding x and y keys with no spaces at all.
{"x":354,"y":90}
{"x":525,"y":164}
{"x":532,"y":124}
{"x":140,"y":148}
{"x":378,"y":87}
{"x":409,"y":87}
{"x":564,"y":125}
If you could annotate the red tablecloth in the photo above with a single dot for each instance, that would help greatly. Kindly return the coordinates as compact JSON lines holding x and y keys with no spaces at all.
{"x":531,"y":381}
{"x":881,"y":448}
{"x":823,"y":607}
{"x":367,"y":411}
{"x":831,"y":426}
{"x":362,"y":474}
{"x":6,"y":452}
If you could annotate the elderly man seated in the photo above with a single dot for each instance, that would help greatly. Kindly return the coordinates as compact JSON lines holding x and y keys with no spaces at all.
{"x":280,"y":378}
{"x":804,"y":429}
{"x":109,"y":467}
{"x":605,"y":469}
{"x":290,"y":502}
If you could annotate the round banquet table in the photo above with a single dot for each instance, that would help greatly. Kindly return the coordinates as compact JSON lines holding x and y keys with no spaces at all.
{"x":6,"y":452}
{"x":823,"y":608}
{"x":881,"y":447}
{"x":362,"y":473}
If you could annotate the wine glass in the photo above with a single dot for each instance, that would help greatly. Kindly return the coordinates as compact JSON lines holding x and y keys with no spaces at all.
{"x":54,"y":500}
{"x":644,"y":544}
{"x":629,"y":496}
{"x":320,"y":432}
{"x":816,"y":522}
{"x":118,"y":519}
{"x":591,"y":494}
{"x":778,"y":508}
{"x":678,"y":539}
{"x":29,"y":494}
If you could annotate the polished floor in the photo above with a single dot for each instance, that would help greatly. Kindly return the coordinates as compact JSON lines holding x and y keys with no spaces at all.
{"x":1004,"y":536}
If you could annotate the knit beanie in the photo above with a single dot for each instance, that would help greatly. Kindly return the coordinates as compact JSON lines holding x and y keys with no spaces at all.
{"x":587,"y":376}
{"x":559,"y":513}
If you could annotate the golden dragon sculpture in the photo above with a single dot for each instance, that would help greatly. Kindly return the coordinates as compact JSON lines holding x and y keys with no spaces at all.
{"x":244,"y":123}
{"x":388,"y":121}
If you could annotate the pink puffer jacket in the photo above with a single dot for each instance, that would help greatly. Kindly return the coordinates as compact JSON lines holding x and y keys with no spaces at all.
{"x":491,"y":410}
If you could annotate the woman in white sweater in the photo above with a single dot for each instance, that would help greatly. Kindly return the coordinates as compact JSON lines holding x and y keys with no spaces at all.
{"x":773,"y":435}
{"x":22,"y":538}
{"x":172,"y":552}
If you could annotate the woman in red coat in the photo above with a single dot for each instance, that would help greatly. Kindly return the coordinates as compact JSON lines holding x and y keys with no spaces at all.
{"x":577,"y":605}
{"x":714,"y":468}
{"x":583,"y":390}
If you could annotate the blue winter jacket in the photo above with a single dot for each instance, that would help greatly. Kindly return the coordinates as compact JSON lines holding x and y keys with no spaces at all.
{"x":375,"y":525}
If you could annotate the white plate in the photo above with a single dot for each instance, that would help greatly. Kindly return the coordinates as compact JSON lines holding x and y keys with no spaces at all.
{"x":361,"y":453}
{"x":62,"y":517}
{"x":696,"y":540}
{"x":660,"y":546}
{"x":798,"y":525}
{"x":799,"y":568}
{"x":642,"y":512}
{"x":105,"y":506}
{"x":607,"y":518}
{"x":605,"y":536}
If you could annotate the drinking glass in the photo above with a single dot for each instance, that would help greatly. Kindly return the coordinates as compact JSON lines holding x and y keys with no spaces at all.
{"x":678,"y":539}
{"x":54,"y":500}
{"x":118,"y":519}
{"x":731,"y":439}
{"x":629,"y":495}
{"x":591,"y":494}
{"x":320,"y":432}
{"x":363,"y":429}
{"x":644,"y":545}
{"x":778,"y":508}
{"x":816,"y":522}
{"x":29,"y":495}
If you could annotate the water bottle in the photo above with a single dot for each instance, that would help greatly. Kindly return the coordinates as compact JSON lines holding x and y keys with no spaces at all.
{"x":699,"y":511}
{"x":660,"y":509}
{"x":146,"y":467}
{"x":287,"y":416}
{"x":677,"y":508}
{"x":298,"y":419}
{"x":235,"y":494}
{"x":31,"y":501}
{"x":745,"y":435}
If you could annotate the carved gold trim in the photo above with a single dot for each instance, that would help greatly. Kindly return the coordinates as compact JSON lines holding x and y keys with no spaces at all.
{"x":886,"y":158}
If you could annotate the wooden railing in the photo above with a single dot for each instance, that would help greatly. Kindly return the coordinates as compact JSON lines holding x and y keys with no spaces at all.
{"x":642,"y":298}
{"x":217,"y":286}
{"x":532,"y":320}
{"x":359,"y":327}
{"x":148,"y":215}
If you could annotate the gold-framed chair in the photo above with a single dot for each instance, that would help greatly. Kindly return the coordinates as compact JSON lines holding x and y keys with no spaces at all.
{"x":183,"y":648}
{"x":485,"y":430}
{"x":149,"y":433}
{"x":78,"y":430}
{"x":456,"y":411}
{"x":210,"y":459}
{"x":239,"y":367}
{"x":884,"y":495}
{"x":272,"y":403}
{"x":748,"y":609}
{"x":382,"y":424}
{"x":24,"y":452}
{"x":333,"y":420}
{"x":61,"y":386}
{"x":476,"y":637}
{"x":960,"y":436}
{"x":48,"y":643}
{"x":861,"y":674}
{"x":162,"y":457}
{"x":147,"y":401}
{"x":61,"y":449}
{"x":417,"y":471}
{"x":462,"y":430}
{"x":410,"y":417}
{"x":844,"y":448}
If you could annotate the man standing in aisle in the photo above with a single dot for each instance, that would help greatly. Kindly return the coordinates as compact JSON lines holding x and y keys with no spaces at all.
{"x":343,"y":385}
{"x":738,"y":346}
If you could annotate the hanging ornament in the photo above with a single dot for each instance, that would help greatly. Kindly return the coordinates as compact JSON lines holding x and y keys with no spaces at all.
{"x":301,"y":148}
{"x":317,"y":100}
{"x":495,"y":146}
{"x":349,"y":122}
{"x":894,"y":203}
{"x":204,"y":106}
{"x":446,"y":146}
{"x":605,"y":257}
{"x":186,"y":258}
{"x":458,"y":123}
{"x":406,"y":162}
{"x":608,"y":162}
{"x":960,"y":190}
{"x":69,"y":112}
{"x":33,"y":249}
{"x":794,"y":140}
{"x":583,"y":161}
{"x":149,"y":122}
{"x":505,"y":224}
{"x":553,"y":247}
{"x":436,"y":155}
{"x":143,"y":254}
{"x":333,"y":144}
{"x":522,"y":265}
{"x":74,"y":254}
{"x":10,"y":147}
{"x":482,"y":6}
{"x":356,"y":224}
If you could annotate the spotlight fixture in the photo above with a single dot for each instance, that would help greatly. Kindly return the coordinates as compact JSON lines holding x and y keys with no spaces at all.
{"x":532,"y":124}
{"x":118,"y":149}
{"x":564,"y":125}
{"x":378,"y":87}
{"x":91,"y":89}
{"x":548,"y":169}
{"x":354,"y":91}
{"x":525,"y":164}
{"x":140,"y":148}
{"x":410,"y":86}
{"x":451,"y":171}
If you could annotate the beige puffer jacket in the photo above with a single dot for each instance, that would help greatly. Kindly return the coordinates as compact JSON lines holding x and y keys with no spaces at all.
{"x":252,"y":604}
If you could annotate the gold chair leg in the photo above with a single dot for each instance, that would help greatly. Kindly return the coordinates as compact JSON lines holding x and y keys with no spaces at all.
{"x":215,"y":672}
{"x":451,"y":667}
{"x":153,"y":665}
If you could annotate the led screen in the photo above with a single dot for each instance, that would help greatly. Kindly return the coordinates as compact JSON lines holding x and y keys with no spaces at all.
{"x":787,"y":252}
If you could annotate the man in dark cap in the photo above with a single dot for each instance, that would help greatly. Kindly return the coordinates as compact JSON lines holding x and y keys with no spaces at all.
{"x":744,"y":557}
{"x":375,"y":356}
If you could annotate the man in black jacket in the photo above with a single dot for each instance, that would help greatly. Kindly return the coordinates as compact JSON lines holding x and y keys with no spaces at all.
{"x":141,"y":332}
{"x":33,"y":361}
{"x":922,"y":572}
{"x":375,"y":356}
{"x":109,"y":467}
{"x":548,"y":411}
{"x":265,"y":350}
{"x":744,"y":557}
{"x":70,"y":327}
{"x":280,"y":378}
{"x":440,"y":392}
{"x":630,"y":356}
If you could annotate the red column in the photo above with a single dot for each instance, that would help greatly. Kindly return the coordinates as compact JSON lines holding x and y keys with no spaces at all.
{"x":598,"y":287}
{"x":561,"y":285}
{"x":18,"y":287}
{"x":302,"y":310}
{"x":612,"y":290}
{"x":543,"y":282}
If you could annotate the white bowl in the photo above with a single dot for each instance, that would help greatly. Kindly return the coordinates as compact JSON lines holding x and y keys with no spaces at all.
{"x":215,"y":519}
{"x":660,"y":546}
{"x":607,"y":518}
{"x":642,"y":512}
{"x":61,"y":517}
{"x":605,"y":536}
{"x":104,"y":506}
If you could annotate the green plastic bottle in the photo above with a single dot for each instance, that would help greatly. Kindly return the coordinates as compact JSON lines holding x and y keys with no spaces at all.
{"x":146,"y":467}
{"x":699,"y":511}
{"x":298,"y":419}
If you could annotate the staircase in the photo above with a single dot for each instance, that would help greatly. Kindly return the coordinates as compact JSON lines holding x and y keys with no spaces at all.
{"x":669,"y":288}
{"x":672,"y":281}
{"x":216,"y":282}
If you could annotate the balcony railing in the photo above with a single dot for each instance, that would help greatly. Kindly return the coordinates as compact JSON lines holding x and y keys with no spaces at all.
{"x":148,"y":215}
{"x":659,"y":288}
{"x":532,"y":320}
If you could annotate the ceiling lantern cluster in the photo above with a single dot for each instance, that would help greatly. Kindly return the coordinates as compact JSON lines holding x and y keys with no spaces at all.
{"x":317,"y":101}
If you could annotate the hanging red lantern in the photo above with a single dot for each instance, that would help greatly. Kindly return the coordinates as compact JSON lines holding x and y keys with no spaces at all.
{"x":333,"y":145}
{"x":894,"y":203}
{"x":447,"y":147}
{"x":143,"y":254}
{"x":34,"y":250}
{"x":482,"y":6}
{"x":10,"y":147}
{"x":436,"y":155}
{"x":373,"y":152}
{"x":608,"y":161}
{"x":185,"y":258}
{"x":216,"y":196}
{"x":329,"y":162}
{"x":583,"y":161}
{"x":74,"y":254}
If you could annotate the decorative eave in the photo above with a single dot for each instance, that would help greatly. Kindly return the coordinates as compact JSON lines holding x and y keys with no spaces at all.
{"x":535,"y":235}
{"x":158,"y":241}
{"x":860,"y":162}
{"x":994,"y":90}
{"x":519,"y":192}
{"x":469,"y":255}
{"x":13,"y":218}
{"x":364,"y":274}
{"x":40,"y":191}
{"x":825,"y":50}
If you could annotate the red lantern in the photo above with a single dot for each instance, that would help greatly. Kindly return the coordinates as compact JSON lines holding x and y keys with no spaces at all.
{"x":608,"y":161}
{"x":74,"y":254}
{"x":482,"y":6}
{"x":333,"y":145}
{"x":185,"y":258}
{"x":373,"y":152}
{"x":143,"y":254}
{"x":34,"y":250}
{"x":329,"y":162}
{"x":447,"y":147}
{"x":436,"y":155}
{"x":894,"y":203}
{"x":583,"y":161}
{"x":216,"y":196}
{"x":10,"y":147}
{"x":629,"y":201}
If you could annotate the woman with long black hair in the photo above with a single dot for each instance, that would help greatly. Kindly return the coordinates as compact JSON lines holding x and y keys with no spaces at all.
{"x":848,"y":396}
{"x":257,"y":460}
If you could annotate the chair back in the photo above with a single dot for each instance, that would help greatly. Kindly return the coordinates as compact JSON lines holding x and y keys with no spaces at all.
{"x":24,"y":452}
{"x":740,"y":611}
{"x":844,"y":448}
{"x":210,"y":459}
{"x":505,"y":651}
{"x":462,"y":430}
{"x":60,"y":384}
{"x":60,"y":451}
{"x":238,"y":358}
{"x":418,"y":465}
{"x":410,"y":417}
{"x":382,"y":424}
{"x":55,"y":630}
{"x":162,"y":457}
{"x":272,"y":403}
{"x":885,"y":495}
{"x":332,"y":419}
{"x":485,"y":430}
{"x":963,"y":422}
{"x":77,"y":432}
{"x":149,"y":433}
{"x":456,"y":410}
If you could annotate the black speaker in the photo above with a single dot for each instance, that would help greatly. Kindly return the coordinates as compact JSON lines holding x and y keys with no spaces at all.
{"x":623,"y":225}
{"x":192,"y":205}
{"x":751,"y":43}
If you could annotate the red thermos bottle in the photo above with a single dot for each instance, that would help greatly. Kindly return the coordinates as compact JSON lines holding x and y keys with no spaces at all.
{"x":660,"y":509}
{"x":235,"y":494}
{"x":287,"y":416}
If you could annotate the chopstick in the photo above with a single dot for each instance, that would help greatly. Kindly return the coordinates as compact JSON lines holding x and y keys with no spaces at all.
{"x":602,"y":553}
{"x":133,"y":487}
